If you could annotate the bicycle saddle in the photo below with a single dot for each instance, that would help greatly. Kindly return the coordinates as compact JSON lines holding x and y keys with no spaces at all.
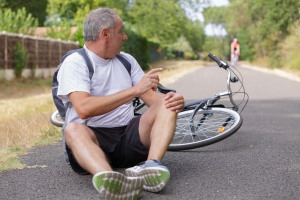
{"x":164,"y":90}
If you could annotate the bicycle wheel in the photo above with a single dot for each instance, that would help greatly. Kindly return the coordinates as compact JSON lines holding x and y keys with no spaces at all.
{"x":56,"y":120}
{"x":210,"y":126}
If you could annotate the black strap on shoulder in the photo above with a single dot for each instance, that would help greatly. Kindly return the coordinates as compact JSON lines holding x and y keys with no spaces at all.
{"x":87,"y":60}
{"x":82,"y":52}
{"x":125,"y":62}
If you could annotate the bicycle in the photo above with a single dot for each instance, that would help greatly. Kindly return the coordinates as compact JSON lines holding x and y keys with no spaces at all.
{"x":201,"y":122}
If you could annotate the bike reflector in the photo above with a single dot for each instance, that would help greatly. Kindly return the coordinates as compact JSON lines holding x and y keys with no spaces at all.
{"x":221,"y":130}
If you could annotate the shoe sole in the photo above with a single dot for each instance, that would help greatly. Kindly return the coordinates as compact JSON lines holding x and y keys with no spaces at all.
{"x":155,"y":178}
{"x":114,"y":185}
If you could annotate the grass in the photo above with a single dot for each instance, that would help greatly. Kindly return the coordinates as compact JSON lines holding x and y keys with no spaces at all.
{"x":26,"y":106}
{"x":24,"y":88}
{"x":24,"y":124}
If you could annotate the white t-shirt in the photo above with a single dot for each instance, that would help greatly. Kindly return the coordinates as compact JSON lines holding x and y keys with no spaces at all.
{"x":110,"y":76}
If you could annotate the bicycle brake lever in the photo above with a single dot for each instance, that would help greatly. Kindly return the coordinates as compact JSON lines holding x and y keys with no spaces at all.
{"x":234,"y":79}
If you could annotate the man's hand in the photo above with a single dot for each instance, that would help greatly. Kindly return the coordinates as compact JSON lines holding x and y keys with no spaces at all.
{"x":149,"y":81}
{"x":174,"y":101}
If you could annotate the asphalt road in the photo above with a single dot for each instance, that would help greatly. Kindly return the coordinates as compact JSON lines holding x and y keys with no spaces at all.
{"x":260,"y":161}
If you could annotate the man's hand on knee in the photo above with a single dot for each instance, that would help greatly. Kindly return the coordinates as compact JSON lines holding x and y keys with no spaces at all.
{"x":174,"y":101}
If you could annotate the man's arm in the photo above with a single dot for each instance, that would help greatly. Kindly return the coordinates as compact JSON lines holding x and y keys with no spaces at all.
{"x":89,"y":106}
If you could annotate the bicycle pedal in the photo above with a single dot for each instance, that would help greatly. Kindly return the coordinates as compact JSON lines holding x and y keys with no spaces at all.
{"x":221,"y":130}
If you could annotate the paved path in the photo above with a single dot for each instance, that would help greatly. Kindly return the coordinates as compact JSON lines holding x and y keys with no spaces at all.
{"x":261,"y":161}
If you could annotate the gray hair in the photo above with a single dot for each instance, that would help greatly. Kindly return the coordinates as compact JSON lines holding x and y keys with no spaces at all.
{"x":96,"y":21}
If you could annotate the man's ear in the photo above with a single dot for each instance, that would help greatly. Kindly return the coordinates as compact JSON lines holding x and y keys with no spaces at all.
{"x":104,"y":33}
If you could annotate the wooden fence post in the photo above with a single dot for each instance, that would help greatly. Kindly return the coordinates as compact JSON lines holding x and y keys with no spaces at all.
{"x":5,"y":50}
{"x":36,"y":52}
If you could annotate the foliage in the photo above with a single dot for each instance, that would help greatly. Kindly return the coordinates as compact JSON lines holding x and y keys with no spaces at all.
{"x":59,"y":30}
{"x":181,"y":45}
{"x":137,"y":46}
{"x":218,"y":44}
{"x":163,"y":22}
{"x":17,"y":22}
{"x":37,"y":8}
{"x":212,"y":45}
{"x":20,"y":59}
{"x":273,"y":26}
{"x":260,"y":29}
{"x":76,"y":10}
{"x":289,"y":48}
{"x":271,"y":22}
{"x":195,"y":35}
{"x":78,"y":35}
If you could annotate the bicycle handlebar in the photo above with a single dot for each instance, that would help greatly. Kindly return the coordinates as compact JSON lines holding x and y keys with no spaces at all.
{"x":225,"y":66}
{"x":221,"y":63}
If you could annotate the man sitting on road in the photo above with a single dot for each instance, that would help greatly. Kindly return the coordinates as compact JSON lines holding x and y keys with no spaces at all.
{"x":102,"y":131}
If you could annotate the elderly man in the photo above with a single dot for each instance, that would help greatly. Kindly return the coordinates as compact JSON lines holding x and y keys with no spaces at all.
{"x":102,"y":131}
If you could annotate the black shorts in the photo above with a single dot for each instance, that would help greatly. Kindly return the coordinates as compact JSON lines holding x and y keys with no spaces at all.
{"x":122,"y":146}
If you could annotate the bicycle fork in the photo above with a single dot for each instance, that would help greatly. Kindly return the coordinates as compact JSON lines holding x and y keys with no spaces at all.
{"x":202,"y":105}
{"x":194,"y":128}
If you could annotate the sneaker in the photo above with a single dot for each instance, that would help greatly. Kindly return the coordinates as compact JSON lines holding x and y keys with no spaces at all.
{"x":154,"y":173}
{"x":114,"y":185}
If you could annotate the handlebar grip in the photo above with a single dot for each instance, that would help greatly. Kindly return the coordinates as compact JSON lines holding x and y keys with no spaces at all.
{"x":221,"y":63}
{"x":214,"y":58}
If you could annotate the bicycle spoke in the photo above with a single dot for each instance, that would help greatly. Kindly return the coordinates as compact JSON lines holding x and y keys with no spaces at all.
{"x":206,"y":124}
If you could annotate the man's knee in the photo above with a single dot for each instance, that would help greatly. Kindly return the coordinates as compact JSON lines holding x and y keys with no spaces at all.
{"x":163,"y":110}
{"x":73,"y":131}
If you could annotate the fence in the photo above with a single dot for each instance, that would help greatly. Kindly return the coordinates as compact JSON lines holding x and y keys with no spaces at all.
{"x":45,"y":54}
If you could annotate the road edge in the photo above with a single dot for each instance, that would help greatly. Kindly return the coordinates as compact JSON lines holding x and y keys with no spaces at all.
{"x":277,"y":72}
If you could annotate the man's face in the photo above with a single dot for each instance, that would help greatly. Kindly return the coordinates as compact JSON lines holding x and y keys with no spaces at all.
{"x":117,"y":38}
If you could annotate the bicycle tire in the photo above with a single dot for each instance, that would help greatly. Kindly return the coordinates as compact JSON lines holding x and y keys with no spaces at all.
{"x":56,"y":120}
{"x":207,"y":133}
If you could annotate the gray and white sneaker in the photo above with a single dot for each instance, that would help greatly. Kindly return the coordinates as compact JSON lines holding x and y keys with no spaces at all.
{"x":154,"y":173}
{"x":114,"y":185}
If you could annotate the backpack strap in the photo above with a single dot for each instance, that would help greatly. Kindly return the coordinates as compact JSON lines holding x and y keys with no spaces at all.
{"x":83,"y":53}
{"x":125,"y":62}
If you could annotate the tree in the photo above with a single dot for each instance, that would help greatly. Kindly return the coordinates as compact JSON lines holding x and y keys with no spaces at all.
{"x":76,"y":10}
{"x":20,"y":59}
{"x":163,"y":21}
{"x":195,"y":35}
{"x":159,"y":20}
{"x":241,"y":27}
{"x":37,"y":8}
{"x":17,"y":22}
{"x":272,"y":20}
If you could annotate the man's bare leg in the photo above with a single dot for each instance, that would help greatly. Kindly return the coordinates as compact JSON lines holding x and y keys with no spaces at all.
{"x":156,"y":130}
{"x":85,"y":148}
{"x":157,"y":126}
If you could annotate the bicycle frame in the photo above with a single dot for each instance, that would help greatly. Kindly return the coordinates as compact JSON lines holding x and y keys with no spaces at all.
{"x":205,"y":104}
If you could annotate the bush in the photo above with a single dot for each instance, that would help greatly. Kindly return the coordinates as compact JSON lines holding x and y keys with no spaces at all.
{"x":17,"y":21}
{"x":137,"y":46}
{"x":188,"y":55}
{"x":20,"y":59}
{"x":78,"y":36}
